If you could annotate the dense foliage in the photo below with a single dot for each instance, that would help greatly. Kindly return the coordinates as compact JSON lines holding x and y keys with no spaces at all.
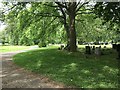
{"x":110,"y":13}
{"x":30,"y":23}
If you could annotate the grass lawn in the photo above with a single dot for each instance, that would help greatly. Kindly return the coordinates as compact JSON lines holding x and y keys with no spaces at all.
{"x":12,"y":48}
{"x":72,"y":69}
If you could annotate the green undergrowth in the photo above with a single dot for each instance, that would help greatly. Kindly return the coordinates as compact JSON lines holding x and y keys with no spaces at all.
{"x":72,"y":69}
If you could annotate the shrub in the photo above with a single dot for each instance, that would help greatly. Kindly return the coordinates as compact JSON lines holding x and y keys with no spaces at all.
{"x":42,"y":44}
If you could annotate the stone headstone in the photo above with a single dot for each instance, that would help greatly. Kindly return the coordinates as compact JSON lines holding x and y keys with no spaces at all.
{"x":100,"y":47}
{"x":67,"y":47}
{"x":114,"y":46}
{"x":62,"y":47}
{"x":93,"y":48}
{"x":118,"y":50}
{"x":88,"y":50}
{"x":98,"y":51}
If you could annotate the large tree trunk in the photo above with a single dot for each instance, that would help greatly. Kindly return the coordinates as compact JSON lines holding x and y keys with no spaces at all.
{"x":73,"y":46}
{"x":67,"y":47}
{"x":70,"y":28}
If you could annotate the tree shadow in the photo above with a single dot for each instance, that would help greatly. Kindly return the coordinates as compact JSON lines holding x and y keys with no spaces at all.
{"x":73,"y":69}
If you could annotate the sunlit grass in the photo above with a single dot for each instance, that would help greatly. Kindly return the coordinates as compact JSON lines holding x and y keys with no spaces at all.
{"x":72,"y":69}
{"x":12,"y":48}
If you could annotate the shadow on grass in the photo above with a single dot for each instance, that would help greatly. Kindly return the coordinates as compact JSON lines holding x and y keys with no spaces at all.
{"x":72,"y":69}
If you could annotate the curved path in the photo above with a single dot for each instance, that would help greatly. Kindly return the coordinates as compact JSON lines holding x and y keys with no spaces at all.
{"x":14,"y":76}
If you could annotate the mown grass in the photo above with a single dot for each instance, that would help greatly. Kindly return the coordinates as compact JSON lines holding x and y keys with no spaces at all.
{"x":12,"y":48}
{"x":72,"y":69}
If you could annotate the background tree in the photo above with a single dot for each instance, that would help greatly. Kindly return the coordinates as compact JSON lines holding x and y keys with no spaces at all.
{"x":109,"y":12}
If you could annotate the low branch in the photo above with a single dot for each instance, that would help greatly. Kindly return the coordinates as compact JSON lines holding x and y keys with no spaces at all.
{"x":77,"y":4}
{"x":59,"y":4}
{"x":50,"y":5}
{"x":61,"y":9}
{"x":85,"y":13}
{"x":79,"y":20}
{"x":81,"y":6}
{"x":87,"y":9}
{"x":49,"y":15}
{"x":51,"y":22}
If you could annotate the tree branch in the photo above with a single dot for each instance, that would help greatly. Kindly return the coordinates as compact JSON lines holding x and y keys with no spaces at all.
{"x":77,"y":4}
{"x":59,"y":4}
{"x":85,"y":13}
{"x":49,"y":15}
{"x":50,"y":5}
{"x":81,"y":6}
{"x":51,"y":22}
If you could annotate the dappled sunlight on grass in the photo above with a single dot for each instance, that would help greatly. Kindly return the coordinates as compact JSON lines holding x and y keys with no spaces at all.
{"x":72,"y":69}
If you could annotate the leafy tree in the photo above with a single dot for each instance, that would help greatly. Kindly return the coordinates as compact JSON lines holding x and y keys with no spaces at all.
{"x":110,"y":13}
{"x":32,"y":23}
{"x":65,"y":11}
{"x":3,"y":37}
{"x":91,"y":29}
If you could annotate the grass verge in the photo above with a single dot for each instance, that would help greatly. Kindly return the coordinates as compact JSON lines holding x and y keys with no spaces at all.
{"x":72,"y":69}
{"x":12,"y":48}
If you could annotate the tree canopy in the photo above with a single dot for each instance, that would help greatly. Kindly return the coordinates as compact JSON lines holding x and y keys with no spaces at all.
{"x":31,"y":23}
{"x":109,"y":12}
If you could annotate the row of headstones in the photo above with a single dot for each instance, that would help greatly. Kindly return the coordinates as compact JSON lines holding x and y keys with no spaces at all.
{"x":89,"y":49}
{"x":93,"y":50}
{"x":97,"y":50}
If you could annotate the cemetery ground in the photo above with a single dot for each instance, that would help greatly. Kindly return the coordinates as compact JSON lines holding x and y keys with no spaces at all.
{"x":72,"y":69}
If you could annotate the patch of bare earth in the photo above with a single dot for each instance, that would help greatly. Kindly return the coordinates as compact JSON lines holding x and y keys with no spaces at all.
{"x":14,"y":76}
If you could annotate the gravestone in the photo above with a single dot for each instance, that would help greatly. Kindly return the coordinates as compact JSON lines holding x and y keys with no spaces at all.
{"x":100,"y":47}
{"x":118,"y":50}
{"x":98,"y":51}
{"x":93,"y":49}
{"x":88,"y":50}
{"x":114,"y":46}
{"x":67,"y":47}
{"x":61,"y":47}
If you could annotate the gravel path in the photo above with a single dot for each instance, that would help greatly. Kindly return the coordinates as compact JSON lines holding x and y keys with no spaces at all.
{"x":14,"y":76}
